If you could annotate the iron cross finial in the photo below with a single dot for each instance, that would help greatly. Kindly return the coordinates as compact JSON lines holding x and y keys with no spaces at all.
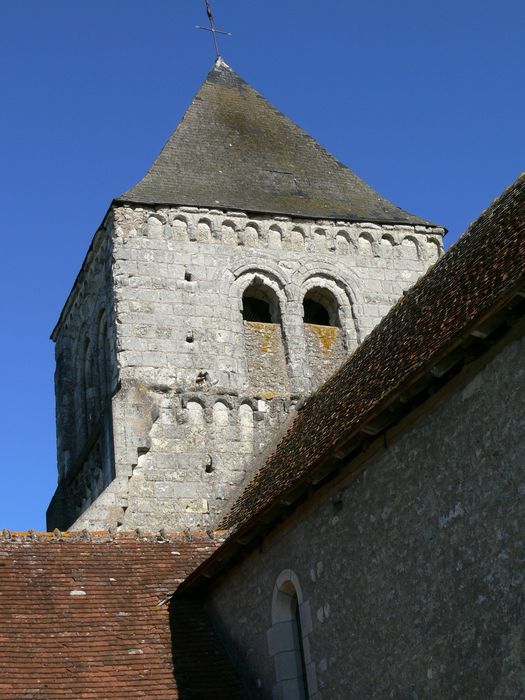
{"x":212,"y":28}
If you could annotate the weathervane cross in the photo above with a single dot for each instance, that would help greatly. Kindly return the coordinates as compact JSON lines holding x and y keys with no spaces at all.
{"x":212,"y":28}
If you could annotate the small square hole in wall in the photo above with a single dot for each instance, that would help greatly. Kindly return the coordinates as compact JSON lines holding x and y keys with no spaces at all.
{"x":187,"y":276}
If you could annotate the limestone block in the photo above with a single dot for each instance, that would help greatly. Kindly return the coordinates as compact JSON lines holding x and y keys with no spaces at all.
{"x":171,"y":282}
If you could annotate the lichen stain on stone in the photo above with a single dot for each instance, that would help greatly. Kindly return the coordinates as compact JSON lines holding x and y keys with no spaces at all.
{"x":327,"y":337}
{"x":266,"y":333}
{"x":268,"y":395}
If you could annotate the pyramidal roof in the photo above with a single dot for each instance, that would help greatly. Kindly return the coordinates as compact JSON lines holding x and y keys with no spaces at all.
{"x":234,"y":150}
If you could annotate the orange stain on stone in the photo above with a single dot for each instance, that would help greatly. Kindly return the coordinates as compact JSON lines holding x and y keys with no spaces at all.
{"x":327,"y":337}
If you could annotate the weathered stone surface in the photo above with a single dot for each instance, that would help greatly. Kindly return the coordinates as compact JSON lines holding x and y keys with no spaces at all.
{"x":198,"y":393}
{"x":414,"y":572}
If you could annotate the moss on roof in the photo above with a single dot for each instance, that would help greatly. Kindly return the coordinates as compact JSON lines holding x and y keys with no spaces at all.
{"x":234,"y":150}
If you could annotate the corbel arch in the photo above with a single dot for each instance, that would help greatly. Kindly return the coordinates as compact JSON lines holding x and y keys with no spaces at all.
{"x":410,"y":248}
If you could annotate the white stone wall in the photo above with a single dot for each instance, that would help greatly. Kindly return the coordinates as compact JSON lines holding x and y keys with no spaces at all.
{"x":190,"y":418}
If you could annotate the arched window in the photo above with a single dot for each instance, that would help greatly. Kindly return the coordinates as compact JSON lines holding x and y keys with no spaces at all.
{"x":260,"y":304}
{"x":325,"y":345}
{"x":266,"y":363}
{"x":288,"y":640}
{"x":320,"y":308}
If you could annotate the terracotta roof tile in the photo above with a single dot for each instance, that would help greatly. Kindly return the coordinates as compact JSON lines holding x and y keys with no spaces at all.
{"x":82,"y":616}
{"x":475,"y":276}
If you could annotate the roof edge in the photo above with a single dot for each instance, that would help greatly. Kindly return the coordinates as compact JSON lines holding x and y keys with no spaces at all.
{"x":103,"y":536}
{"x":244,"y":537}
{"x":122,"y":201}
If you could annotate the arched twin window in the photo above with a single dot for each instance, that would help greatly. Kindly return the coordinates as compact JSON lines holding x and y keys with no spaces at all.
{"x":260,"y":304}
{"x":325,"y":347}
{"x":320,"y":308}
{"x":264,"y":339}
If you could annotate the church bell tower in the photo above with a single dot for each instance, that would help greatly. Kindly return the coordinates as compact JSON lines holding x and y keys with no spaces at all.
{"x":224,"y":287}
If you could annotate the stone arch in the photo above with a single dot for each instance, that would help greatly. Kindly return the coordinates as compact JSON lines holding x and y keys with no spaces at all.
{"x":229,"y":234}
{"x":343,"y":283}
{"x":288,"y":639}
{"x":195,"y":412}
{"x":275,"y":236}
{"x":262,"y":302}
{"x":246,"y":424}
{"x":410,"y":248}
{"x":344,"y":245}
{"x":320,"y":241}
{"x":328,"y":327}
{"x":250,"y":236}
{"x":246,"y":414}
{"x":226,"y":401}
{"x":320,"y":307}
{"x":297,"y":238}
{"x":204,"y":230}
{"x":221,"y":413}
{"x":193,"y":398}
{"x":387,"y":245}
{"x":235,"y":280}
{"x":179,"y":228}
{"x":154,"y":226}
{"x":365,"y":244}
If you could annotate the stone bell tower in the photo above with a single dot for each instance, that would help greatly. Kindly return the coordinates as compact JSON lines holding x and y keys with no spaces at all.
{"x":228,"y":283}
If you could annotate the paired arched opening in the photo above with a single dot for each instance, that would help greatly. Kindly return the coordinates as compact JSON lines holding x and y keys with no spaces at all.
{"x":325,"y":347}
{"x":264,"y":338}
{"x":269,"y":306}
{"x":260,"y":304}
{"x":320,"y":308}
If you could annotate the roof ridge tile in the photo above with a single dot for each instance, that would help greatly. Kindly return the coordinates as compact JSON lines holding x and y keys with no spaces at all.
{"x":110,"y":535}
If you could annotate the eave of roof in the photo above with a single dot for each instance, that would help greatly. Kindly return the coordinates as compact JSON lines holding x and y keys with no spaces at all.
{"x":460,"y":306}
{"x":234,"y":150}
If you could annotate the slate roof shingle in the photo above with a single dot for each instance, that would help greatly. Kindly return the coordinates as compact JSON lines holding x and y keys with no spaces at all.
{"x":81,"y":617}
{"x":234,"y":150}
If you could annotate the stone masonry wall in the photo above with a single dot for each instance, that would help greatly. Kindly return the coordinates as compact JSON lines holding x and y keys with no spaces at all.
{"x":188,"y":367}
{"x":411,"y":578}
{"x":85,"y":378}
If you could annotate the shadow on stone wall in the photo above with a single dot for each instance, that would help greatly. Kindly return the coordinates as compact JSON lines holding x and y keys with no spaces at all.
{"x":202,"y":669}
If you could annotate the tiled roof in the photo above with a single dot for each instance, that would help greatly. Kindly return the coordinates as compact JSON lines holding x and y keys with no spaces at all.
{"x":81,"y":616}
{"x":234,"y":150}
{"x":477,"y":275}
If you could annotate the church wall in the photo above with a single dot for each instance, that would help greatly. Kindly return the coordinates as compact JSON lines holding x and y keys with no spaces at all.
{"x":406,"y":587}
{"x":202,"y":392}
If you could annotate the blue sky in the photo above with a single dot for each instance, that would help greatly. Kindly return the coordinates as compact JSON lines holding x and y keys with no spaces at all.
{"x":424,"y":100}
